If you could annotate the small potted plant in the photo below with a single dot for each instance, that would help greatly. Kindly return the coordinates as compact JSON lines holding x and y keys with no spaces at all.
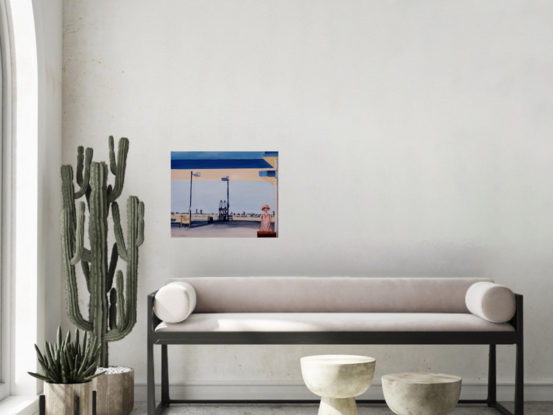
{"x":68,"y":370}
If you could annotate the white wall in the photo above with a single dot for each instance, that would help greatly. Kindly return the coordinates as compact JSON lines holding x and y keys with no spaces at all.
{"x":49,"y":33}
{"x":414,"y":140}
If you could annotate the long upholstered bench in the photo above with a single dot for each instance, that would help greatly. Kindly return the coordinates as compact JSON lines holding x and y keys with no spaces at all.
{"x":335,"y":310}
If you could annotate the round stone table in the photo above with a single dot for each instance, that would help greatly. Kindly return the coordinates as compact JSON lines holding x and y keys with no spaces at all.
{"x":421,"y":393}
{"x":337,"y":379}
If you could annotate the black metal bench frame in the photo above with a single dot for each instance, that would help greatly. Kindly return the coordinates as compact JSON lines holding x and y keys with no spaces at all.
{"x":76,"y":404}
{"x":492,"y":339}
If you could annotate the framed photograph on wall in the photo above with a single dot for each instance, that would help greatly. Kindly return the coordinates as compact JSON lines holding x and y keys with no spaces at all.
{"x":224,"y":194}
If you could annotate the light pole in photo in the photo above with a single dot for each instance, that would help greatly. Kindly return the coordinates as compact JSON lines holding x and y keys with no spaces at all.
{"x":226,"y":179}
{"x":192,"y":174}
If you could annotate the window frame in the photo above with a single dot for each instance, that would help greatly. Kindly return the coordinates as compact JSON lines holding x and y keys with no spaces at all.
{"x":5,"y":201}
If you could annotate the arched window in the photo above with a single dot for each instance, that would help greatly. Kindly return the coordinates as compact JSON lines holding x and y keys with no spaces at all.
{"x":31,"y":44}
{"x":5,"y":200}
{"x":19,"y":113}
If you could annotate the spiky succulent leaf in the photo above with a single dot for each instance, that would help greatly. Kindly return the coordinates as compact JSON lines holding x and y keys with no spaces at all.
{"x":39,"y":376}
{"x":89,"y":378}
{"x":67,"y":361}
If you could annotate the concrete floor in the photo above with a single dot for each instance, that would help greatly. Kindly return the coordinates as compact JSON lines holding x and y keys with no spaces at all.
{"x":531,"y":408}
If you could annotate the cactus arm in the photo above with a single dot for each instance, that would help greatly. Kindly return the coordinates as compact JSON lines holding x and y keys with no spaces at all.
{"x":134,"y":216}
{"x":140,"y":238}
{"x":98,"y":232}
{"x":80,"y":159}
{"x":133,"y":219}
{"x":129,"y":319}
{"x":112,"y":309}
{"x":121,"y":248}
{"x":120,"y":169}
{"x":84,"y":181}
{"x":79,"y":242}
{"x":88,"y":197}
{"x":71,"y":290}
{"x":117,"y":309}
{"x":68,"y":193}
{"x":112,"y":164}
{"x":112,"y":266}
{"x":86,"y":273}
{"x":121,"y":314}
{"x":81,"y":253}
{"x":86,"y":255}
{"x":121,"y":329}
{"x":77,"y":339}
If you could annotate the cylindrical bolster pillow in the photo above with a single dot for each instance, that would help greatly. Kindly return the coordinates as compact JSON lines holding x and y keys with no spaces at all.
{"x":174,"y":302}
{"x":492,"y":302}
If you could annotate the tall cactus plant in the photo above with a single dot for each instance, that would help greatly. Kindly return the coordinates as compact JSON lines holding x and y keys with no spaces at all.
{"x":111,"y":309}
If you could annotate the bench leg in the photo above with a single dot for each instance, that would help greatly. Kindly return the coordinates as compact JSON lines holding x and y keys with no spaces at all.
{"x":519,"y":380}
{"x":164,"y":374}
{"x":151,"y":380}
{"x":492,"y":376}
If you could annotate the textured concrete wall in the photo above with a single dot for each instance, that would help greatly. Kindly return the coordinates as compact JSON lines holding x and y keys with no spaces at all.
{"x":49,"y":32}
{"x":414,"y":140}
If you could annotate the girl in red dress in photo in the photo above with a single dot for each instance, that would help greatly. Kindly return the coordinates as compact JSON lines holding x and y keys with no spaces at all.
{"x":265,"y":220}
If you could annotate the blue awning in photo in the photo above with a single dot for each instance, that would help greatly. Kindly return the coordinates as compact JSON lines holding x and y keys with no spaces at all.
{"x":189,"y":160}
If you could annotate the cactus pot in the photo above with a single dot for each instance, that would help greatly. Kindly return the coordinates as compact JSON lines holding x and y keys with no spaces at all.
{"x":60,"y":398}
{"x":114,"y":393}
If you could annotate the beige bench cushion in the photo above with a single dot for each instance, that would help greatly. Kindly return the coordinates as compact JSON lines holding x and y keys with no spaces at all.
{"x":330,"y":294}
{"x":175,"y":302}
{"x":260,"y":322}
{"x":492,"y":302}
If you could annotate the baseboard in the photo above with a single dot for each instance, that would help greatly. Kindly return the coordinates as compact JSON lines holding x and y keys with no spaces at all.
{"x":296,"y":390}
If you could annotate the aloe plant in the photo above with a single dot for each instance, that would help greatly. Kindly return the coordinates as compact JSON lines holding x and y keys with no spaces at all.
{"x":67,"y":361}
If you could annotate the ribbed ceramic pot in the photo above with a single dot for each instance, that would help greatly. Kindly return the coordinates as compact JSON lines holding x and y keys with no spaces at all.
{"x":60,"y":398}
{"x":114,"y":393}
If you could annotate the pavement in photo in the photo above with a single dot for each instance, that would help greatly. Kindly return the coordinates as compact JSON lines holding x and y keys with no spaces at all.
{"x":230,"y":229}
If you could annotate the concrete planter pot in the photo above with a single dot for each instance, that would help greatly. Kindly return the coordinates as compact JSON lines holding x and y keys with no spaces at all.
{"x":60,"y":398}
{"x":114,"y":393}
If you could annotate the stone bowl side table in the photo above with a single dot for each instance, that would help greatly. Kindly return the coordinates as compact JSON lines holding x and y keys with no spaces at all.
{"x":421,"y":393}
{"x":338,"y":379}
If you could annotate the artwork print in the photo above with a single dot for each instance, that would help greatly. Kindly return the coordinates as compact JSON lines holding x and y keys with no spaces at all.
{"x":224,"y":194}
